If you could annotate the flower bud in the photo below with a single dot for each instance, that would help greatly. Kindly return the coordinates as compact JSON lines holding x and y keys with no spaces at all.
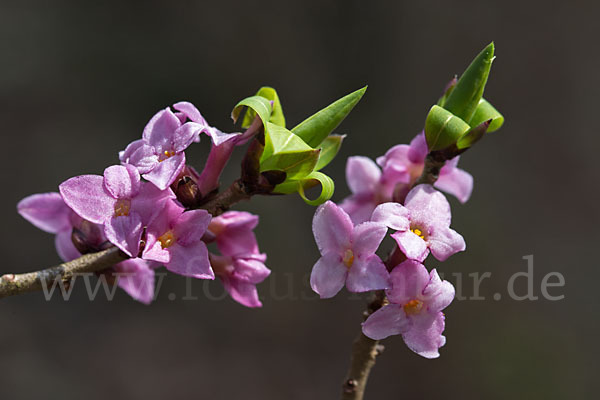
{"x":187,"y":192}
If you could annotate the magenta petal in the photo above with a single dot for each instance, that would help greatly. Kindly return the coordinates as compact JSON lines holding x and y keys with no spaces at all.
{"x":130,"y":149}
{"x":427,"y":206}
{"x":367,"y":237}
{"x":150,"y":202}
{"x":409,"y":279}
{"x":251,"y":270}
{"x":366,"y":275}
{"x":125,"y":232}
{"x":359,"y":207}
{"x":155,"y":252}
{"x":438,"y":294}
{"x":190,"y":261}
{"x":243,"y":292}
{"x":46,"y":211}
{"x":418,"y":149}
{"x":137,"y":279}
{"x":413,"y":247}
{"x":444,"y":242}
{"x":144,"y":159}
{"x":190,"y":226}
{"x":392,"y":215}
{"x":387,"y":321}
{"x":362,"y":174}
{"x":237,"y":243}
{"x":189,"y":110}
{"x":159,"y":131}
{"x":122,"y":181}
{"x":89,"y":199}
{"x":457,"y":182}
{"x":184,"y":136}
{"x":328,"y":275}
{"x":65,"y":247}
{"x":332,"y":228}
{"x":165,"y":173}
{"x":425,"y":336}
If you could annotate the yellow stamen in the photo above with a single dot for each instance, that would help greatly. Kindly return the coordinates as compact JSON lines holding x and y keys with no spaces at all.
{"x":167,"y":154}
{"x":122,"y":207}
{"x":413,"y":307}
{"x":418,"y":232}
{"x":167,"y":239}
{"x":348,"y":258}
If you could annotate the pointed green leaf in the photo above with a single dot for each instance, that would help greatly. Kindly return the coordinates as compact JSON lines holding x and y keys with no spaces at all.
{"x":473,"y":136}
{"x":313,"y":179}
{"x":329,"y":149}
{"x":442,"y":128}
{"x":465,"y":96}
{"x":317,"y":127}
{"x":258,"y":104}
{"x":276,"y":118}
{"x":485,"y":111}
{"x":285,"y":151}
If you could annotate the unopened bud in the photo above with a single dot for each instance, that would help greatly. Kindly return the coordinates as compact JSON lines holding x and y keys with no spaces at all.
{"x":188,"y":193}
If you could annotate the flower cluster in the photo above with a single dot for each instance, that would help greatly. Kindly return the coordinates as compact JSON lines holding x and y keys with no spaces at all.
{"x":349,"y":235}
{"x":148,"y":206}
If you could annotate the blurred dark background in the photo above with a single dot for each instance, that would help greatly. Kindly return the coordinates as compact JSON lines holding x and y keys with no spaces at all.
{"x":79,"y":80}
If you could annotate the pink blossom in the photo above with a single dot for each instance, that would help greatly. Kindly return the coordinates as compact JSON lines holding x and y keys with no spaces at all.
{"x":49,"y":212}
{"x":174,"y":238}
{"x":417,"y":299}
{"x":402,"y":166}
{"x":241,"y":265}
{"x":119,"y":201}
{"x":348,"y":253}
{"x":422,"y":224}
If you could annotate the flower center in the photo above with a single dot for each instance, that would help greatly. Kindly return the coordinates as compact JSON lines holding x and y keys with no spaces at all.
{"x":165,"y":155}
{"x":418,"y":232}
{"x":167,"y":240}
{"x":348,"y":259}
{"x":413,"y":307}
{"x":122,"y":207}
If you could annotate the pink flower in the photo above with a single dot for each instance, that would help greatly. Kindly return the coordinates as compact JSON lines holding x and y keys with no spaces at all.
{"x":241,"y":266}
{"x":49,"y":212}
{"x":423,"y":224}
{"x":174,"y":238}
{"x":417,"y":299}
{"x":402,"y":166}
{"x":348,"y":253}
{"x":119,"y":201}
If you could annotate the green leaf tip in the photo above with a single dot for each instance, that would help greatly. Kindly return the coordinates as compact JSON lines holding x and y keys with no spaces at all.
{"x":465,"y":96}
{"x":258,"y":104}
{"x":313,"y":179}
{"x":318,"y":126}
{"x":276,"y":117}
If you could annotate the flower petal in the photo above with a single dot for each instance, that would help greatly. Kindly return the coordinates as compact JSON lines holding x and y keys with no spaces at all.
{"x":332,"y":228}
{"x":366,"y":238}
{"x":387,"y":321}
{"x":251,"y":269}
{"x":425,"y":336}
{"x":328,"y":275}
{"x":189,"y":110}
{"x":184,"y":136}
{"x":438,"y":294}
{"x":457,"y":182}
{"x":409,"y":279}
{"x":160,"y":129}
{"x":125,"y":232}
{"x":165,"y":173}
{"x":444,"y":242}
{"x":144,"y":159}
{"x":362,"y":174}
{"x":89,"y":199}
{"x":427,"y":206}
{"x":137,"y":279}
{"x":369,"y":274}
{"x":46,"y":211}
{"x":150,"y":202}
{"x":392,"y":215}
{"x":413,"y":247}
{"x":64,"y":246}
{"x":359,"y":207}
{"x":155,"y":252}
{"x":190,"y":226}
{"x":190,"y":261}
{"x":418,"y":149}
{"x":122,"y":181}
{"x":243,"y":292}
{"x":130,"y":149}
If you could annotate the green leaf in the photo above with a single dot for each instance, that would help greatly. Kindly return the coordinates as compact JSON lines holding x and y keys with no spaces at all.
{"x":473,"y":136}
{"x":317,"y":127}
{"x":311,"y":180}
{"x":464,"y":98}
{"x":485,"y":111}
{"x":329,"y":149}
{"x":276,"y":118}
{"x":442,"y":128}
{"x":258,"y":104}
{"x":286,"y":152}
